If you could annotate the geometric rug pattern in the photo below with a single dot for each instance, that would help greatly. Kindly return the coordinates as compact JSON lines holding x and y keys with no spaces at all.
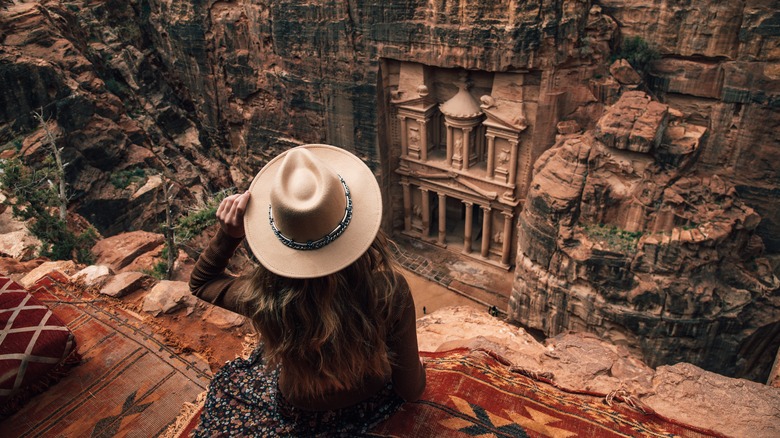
{"x":474,"y":393}
{"x":130,"y":382}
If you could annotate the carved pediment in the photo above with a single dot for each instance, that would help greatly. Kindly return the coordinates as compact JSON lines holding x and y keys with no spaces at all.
{"x":506,"y":116}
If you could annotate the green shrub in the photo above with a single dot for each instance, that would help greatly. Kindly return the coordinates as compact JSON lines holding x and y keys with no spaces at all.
{"x":613,"y":238}
{"x":124,"y":178}
{"x":199,"y":218}
{"x":158,"y":271}
{"x":116,"y":87}
{"x":638,"y":53}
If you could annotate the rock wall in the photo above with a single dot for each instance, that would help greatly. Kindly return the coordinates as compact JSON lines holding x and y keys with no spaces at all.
{"x":212,"y":89}
{"x":654,"y":278}
{"x":87,"y":69}
{"x":270,"y":75}
{"x":622,"y":236}
{"x":720,"y":65}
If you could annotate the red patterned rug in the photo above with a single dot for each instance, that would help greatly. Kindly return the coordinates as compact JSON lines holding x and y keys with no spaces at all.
{"x":475,"y":393}
{"x":130,"y":381}
{"x":36,"y":347}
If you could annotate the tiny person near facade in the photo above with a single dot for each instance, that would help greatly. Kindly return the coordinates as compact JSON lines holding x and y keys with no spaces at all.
{"x":338,"y":347}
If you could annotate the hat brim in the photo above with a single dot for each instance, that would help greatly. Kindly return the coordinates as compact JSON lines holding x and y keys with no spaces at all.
{"x":348,"y":247}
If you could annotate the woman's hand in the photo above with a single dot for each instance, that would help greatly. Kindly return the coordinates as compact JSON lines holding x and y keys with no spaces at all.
{"x":230,"y":214}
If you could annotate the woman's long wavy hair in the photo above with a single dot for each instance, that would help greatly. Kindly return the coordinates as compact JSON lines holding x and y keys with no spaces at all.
{"x":329,"y":332}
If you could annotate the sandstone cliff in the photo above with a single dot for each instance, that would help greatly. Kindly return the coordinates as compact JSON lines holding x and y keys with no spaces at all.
{"x":216,"y":82}
{"x":621,"y":235}
{"x":212,"y":89}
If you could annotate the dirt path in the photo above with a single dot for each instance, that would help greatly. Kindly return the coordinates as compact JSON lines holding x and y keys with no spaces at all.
{"x":433,"y":296}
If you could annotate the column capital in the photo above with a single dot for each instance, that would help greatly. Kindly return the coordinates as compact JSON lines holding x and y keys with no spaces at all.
{"x":469,"y":203}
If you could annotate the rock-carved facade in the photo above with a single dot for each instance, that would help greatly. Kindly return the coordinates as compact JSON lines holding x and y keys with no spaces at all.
{"x":462,"y":161}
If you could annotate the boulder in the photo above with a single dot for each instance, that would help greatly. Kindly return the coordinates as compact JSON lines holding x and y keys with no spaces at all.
{"x":65,"y":267}
{"x":123,"y":284}
{"x":635,"y":123}
{"x":15,"y":239}
{"x":222,"y":318}
{"x":733,"y":407}
{"x":146,"y":261}
{"x":168,"y":297}
{"x":120,"y":250}
{"x":622,"y":71}
{"x":93,"y":274}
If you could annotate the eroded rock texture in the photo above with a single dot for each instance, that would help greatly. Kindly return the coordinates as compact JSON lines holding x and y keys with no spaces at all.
{"x":88,"y":68}
{"x":622,"y":236}
{"x":212,"y":89}
{"x":720,"y":66}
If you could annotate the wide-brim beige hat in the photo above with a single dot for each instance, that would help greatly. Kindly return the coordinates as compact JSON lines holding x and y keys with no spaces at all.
{"x":313,"y":211}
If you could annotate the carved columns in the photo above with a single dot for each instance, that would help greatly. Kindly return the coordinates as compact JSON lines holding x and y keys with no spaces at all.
{"x":491,"y":159}
{"x":407,"y":206}
{"x":487,"y":220}
{"x":426,"y":212}
{"x":468,"y":226}
{"x":449,"y":145}
{"x":404,"y":134}
{"x":442,"y":219}
{"x":506,"y":244}
{"x":513,"y":162}
{"x":423,"y":139}
{"x":466,"y":148}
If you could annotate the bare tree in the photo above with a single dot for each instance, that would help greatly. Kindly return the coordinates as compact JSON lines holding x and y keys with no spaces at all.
{"x":60,"y":166}
{"x":169,"y":183}
{"x":169,"y":229}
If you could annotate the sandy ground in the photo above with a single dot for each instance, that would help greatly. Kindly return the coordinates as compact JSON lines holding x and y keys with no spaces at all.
{"x":433,"y":296}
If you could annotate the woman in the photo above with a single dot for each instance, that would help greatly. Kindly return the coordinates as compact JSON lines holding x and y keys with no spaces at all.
{"x":336,"y":321}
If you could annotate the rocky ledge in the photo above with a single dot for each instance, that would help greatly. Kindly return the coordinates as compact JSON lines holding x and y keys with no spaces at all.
{"x":581,"y":362}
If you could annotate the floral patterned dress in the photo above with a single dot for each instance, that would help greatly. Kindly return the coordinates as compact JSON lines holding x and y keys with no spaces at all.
{"x":244,"y":400}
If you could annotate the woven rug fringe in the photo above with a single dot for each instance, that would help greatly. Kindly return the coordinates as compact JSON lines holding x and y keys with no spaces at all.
{"x":627,"y":398}
{"x":184,"y":418}
{"x":249,"y":345}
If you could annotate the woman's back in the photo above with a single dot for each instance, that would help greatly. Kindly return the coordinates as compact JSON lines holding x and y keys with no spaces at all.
{"x":336,"y":320}
{"x":331,"y":334}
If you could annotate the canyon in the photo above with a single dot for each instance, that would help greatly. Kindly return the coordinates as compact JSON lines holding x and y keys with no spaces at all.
{"x":639,"y":203}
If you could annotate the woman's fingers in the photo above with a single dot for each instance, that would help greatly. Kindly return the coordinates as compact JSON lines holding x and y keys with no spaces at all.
{"x":243,"y":200}
{"x":230,"y":213}
{"x":223,"y":211}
